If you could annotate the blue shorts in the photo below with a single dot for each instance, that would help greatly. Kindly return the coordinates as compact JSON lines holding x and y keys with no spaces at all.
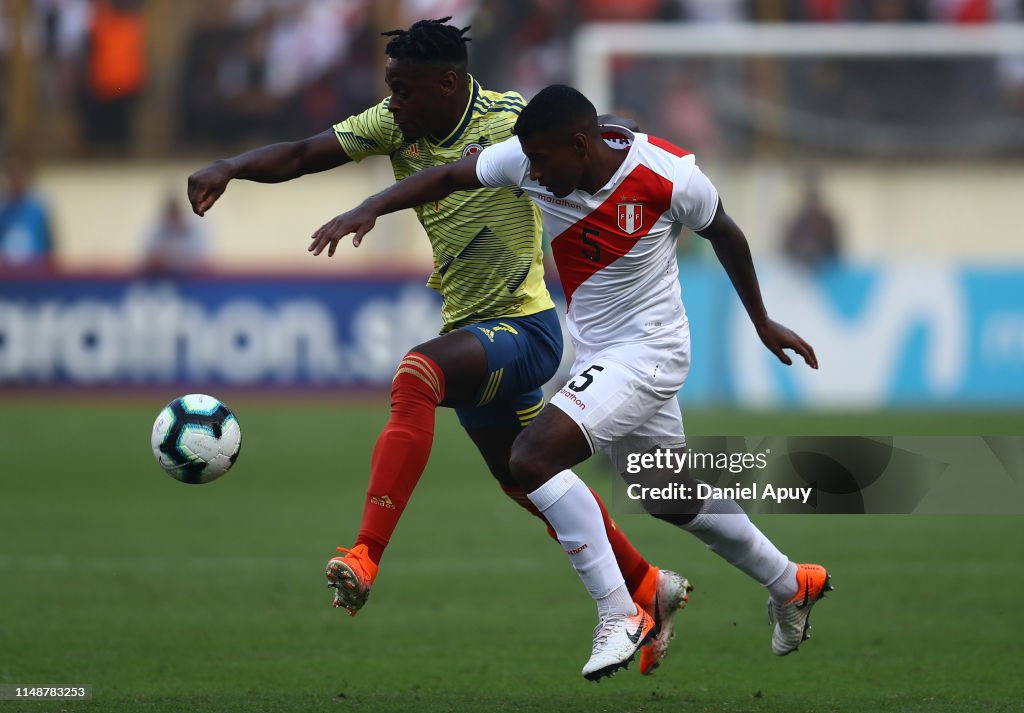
{"x":523,"y":353}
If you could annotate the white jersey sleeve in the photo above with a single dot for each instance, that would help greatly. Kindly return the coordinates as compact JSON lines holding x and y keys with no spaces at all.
{"x":503,"y":164}
{"x":694,"y":197}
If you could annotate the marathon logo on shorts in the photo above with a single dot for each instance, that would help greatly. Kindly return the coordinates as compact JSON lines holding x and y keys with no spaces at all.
{"x":573,"y":397}
{"x":631,"y":217}
{"x":577,"y":550}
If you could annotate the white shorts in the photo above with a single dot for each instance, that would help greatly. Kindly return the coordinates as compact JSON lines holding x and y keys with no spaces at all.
{"x":623,"y":398}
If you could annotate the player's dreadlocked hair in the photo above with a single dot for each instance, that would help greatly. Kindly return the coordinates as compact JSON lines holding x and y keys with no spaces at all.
{"x":429,"y":41}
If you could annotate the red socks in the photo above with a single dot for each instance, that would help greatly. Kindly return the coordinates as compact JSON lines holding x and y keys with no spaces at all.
{"x":401,"y":455}
{"x":402,"y":449}
{"x":631,"y":563}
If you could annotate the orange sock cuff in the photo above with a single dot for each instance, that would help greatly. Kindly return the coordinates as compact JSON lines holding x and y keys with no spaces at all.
{"x":418,"y":373}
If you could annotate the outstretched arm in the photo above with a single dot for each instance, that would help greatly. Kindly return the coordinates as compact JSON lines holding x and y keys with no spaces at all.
{"x":428,"y":185}
{"x":268,"y":164}
{"x":733,"y":252}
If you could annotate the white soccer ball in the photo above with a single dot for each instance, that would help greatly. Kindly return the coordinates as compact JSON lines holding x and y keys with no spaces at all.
{"x":196,"y":439}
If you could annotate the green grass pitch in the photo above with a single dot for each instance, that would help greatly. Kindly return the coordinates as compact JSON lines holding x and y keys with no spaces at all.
{"x":167,"y":597}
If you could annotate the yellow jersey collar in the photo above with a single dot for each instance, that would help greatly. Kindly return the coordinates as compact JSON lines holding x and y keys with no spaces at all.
{"x":467,"y":115}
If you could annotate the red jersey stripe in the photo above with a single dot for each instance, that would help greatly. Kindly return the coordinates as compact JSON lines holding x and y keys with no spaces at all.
{"x":612,"y":229}
{"x":667,"y":146}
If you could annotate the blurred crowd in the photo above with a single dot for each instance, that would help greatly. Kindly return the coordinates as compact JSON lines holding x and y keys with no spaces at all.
{"x":159,"y":78}
{"x":233,"y":72}
{"x":277,"y":68}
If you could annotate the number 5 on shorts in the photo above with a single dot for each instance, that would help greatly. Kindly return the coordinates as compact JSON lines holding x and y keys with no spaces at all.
{"x":587,"y":378}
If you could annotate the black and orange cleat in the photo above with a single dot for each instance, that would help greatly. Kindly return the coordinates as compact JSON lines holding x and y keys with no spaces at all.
{"x":662,"y":593}
{"x":792,"y":619}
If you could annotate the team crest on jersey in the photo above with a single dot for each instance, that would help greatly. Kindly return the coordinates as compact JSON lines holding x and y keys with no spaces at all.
{"x":471,"y":149}
{"x":631,"y":217}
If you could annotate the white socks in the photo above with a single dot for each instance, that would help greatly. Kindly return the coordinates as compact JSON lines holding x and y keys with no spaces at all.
{"x":570,"y":508}
{"x":785,"y":587}
{"x":728,"y":532}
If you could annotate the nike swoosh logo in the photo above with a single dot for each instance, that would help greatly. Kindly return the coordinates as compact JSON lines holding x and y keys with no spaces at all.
{"x":635,"y":636}
{"x":807,"y":594}
{"x":657,"y":613}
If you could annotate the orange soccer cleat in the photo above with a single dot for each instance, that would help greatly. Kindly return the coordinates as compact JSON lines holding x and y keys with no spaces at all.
{"x":662,"y":593}
{"x":351,"y":576}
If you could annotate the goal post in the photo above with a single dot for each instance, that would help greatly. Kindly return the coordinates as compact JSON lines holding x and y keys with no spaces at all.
{"x":595,"y":44}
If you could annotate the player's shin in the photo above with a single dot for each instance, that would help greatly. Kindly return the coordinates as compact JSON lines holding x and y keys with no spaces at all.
{"x":402,"y":450}
{"x":728,"y":532}
{"x":572,"y":510}
{"x":633,"y":566}
{"x":623,"y":626}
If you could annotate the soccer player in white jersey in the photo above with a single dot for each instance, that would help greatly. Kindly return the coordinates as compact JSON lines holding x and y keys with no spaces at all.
{"x":615,"y":210}
{"x":500,"y":340}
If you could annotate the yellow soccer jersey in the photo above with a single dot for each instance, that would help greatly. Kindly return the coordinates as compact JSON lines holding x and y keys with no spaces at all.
{"x":486,"y":243}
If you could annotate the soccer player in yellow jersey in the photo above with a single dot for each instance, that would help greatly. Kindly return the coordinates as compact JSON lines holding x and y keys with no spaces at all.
{"x":501,"y":339}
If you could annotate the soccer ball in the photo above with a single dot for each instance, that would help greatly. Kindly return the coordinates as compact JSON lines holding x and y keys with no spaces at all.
{"x":196,"y":439}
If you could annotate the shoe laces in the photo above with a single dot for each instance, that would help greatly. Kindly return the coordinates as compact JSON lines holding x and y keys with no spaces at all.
{"x":784,"y":614}
{"x":358,"y":553}
{"x":604,"y":629}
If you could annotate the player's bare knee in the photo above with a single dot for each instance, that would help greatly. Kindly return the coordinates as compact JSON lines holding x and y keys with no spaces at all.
{"x":667,"y":510}
{"x":528,"y":465}
{"x":502,"y":474}
{"x":462,"y":362}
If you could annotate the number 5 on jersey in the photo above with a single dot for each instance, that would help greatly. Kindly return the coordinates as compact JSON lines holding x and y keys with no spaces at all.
{"x":587,"y":235}
{"x":584,"y":379}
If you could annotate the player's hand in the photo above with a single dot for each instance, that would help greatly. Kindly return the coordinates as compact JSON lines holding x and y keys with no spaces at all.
{"x":359,"y":221}
{"x":778,"y":337}
{"x":206,"y":185}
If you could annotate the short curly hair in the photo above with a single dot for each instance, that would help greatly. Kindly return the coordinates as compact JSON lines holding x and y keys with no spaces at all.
{"x":556,"y":107}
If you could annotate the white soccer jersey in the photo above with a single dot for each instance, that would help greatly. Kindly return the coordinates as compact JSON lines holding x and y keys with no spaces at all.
{"x":616,"y":249}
